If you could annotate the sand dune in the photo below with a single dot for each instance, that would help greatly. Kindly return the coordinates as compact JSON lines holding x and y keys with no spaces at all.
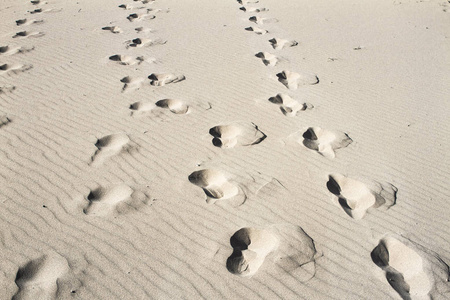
{"x":254,"y":149}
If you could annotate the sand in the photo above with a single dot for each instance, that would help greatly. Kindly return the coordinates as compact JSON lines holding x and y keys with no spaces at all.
{"x":223,"y":150}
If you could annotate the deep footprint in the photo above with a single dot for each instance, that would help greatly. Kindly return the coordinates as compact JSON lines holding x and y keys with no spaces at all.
{"x":293,"y":80}
{"x":39,"y":278}
{"x":163,"y":79}
{"x":108,"y":146}
{"x":173,"y":105}
{"x":215,"y":184}
{"x":103,"y":201}
{"x":267,"y":58}
{"x":278,"y":44}
{"x":241,"y":134}
{"x":356,"y":198}
{"x":326,"y":142}
{"x":140,"y":17}
{"x":25,"y":22}
{"x":404,"y":268}
{"x":288,"y":106}
{"x":291,"y":250}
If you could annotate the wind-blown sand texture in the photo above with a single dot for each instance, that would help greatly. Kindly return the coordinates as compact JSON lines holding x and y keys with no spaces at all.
{"x":226,"y":149}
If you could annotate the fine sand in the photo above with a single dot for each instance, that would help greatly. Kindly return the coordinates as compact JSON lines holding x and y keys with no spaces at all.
{"x":224,"y":149}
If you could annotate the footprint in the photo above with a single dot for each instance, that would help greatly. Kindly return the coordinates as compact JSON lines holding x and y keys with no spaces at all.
{"x":127,"y":60}
{"x":250,"y":248}
{"x":40,"y":10}
{"x":280,"y":43}
{"x":292,"y":79}
{"x":404,"y":268}
{"x":253,"y":9}
{"x":256,"y":30}
{"x":26,"y":34}
{"x":7,"y":50}
{"x":242,"y":134}
{"x":163,"y":79}
{"x":288,"y":106}
{"x":356,"y":198}
{"x":113,"y":29}
{"x":267,"y":58}
{"x":14,"y":68}
{"x":143,"y":30}
{"x":158,"y":10}
{"x":174,"y":105}
{"x":143,"y":42}
{"x":7,"y":89}
{"x":108,"y":146}
{"x":103,"y":201}
{"x":131,"y":83}
{"x":324,"y":141}
{"x":261,"y":21}
{"x":36,"y":2}
{"x":140,"y":17}
{"x":126,"y":6}
{"x":40,"y":278}
{"x":215,"y":184}
{"x":24,"y":22}
{"x":4,"y":120}
{"x":244,"y":2}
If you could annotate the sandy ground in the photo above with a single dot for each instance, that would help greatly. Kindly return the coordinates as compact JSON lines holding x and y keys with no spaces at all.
{"x":216,"y":149}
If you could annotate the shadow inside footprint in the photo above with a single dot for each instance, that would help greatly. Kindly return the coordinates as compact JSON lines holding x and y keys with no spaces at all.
{"x":267,"y":58}
{"x":325,"y":142}
{"x":256,"y":30}
{"x":113,"y":29}
{"x":356,"y":198}
{"x":278,"y":44}
{"x":174,"y":105}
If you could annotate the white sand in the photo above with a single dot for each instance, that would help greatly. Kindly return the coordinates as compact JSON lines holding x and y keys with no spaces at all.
{"x":96,"y":153}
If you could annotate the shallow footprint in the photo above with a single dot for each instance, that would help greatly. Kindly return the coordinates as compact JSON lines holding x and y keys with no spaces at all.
{"x":139,"y":17}
{"x":267,"y":58}
{"x":4,"y":120}
{"x":281,"y":43}
{"x":292,"y":80}
{"x":108,"y":146}
{"x":288,"y":106}
{"x":241,"y":134}
{"x":127,"y":60}
{"x":103,"y":201}
{"x":39,"y":278}
{"x":165,"y":78}
{"x":143,"y":42}
{"x":261,"y":21}
{"x":113,"y":29}
{"x":356,"y":198}
{"x":7,"y":89}
{"x":14,"y":68}
{"x":326,"y":142}
{"x":7,"y":50}
{"x":256,"y":30}
{"x":215,"y":184}
{"x":131,"y":83}
{"x":404,"y":268}
{"x":25,"y":22}
{"x":27,"y":34}
{"x":253,"y":9}
{"x":245,"y":2}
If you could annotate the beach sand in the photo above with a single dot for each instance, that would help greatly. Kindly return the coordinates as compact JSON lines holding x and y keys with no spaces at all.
{"x":224,"y":150}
